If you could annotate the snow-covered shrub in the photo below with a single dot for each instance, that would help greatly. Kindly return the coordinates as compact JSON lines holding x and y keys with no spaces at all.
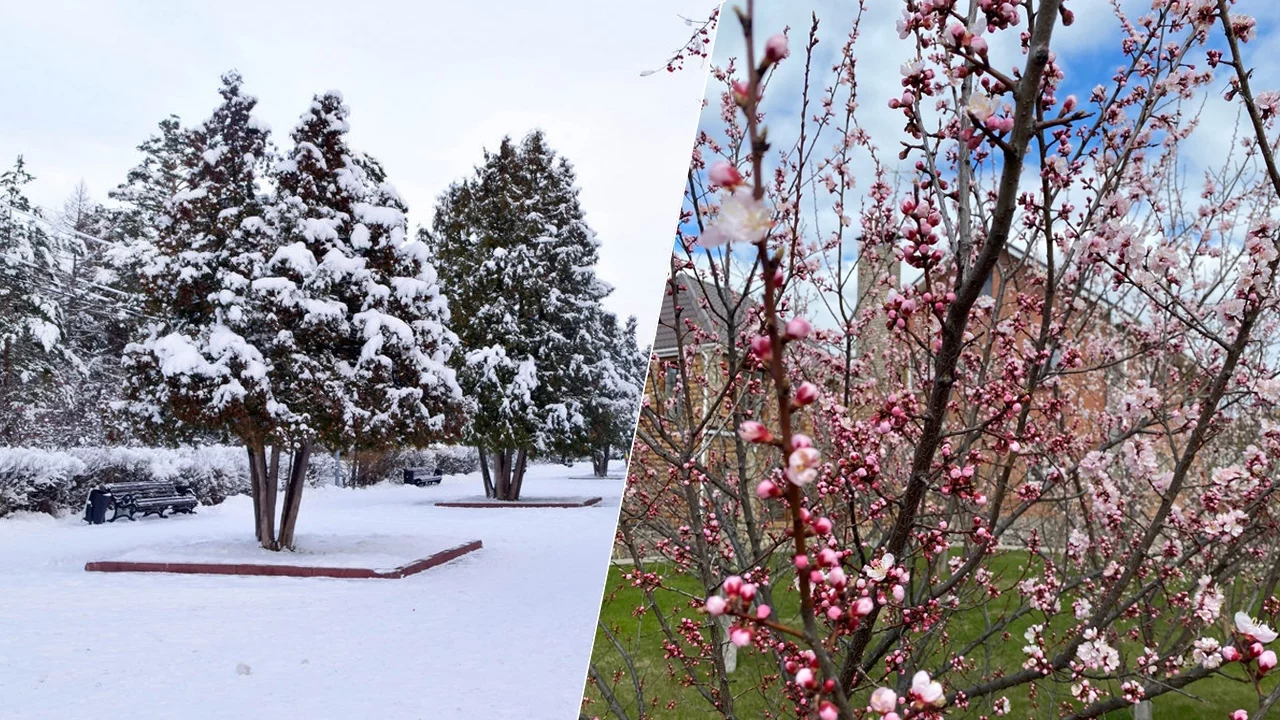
{"x":50,"y":481}
{"x":36,"y":480}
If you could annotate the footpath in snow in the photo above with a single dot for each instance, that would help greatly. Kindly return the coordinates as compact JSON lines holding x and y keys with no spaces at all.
{"x":503,"y":632}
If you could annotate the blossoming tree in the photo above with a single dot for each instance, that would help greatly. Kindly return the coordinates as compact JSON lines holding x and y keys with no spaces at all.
{"x":1013,"y":387}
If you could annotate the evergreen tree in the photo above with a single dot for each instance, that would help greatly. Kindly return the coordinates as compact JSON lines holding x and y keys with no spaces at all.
{"x":618,"y":379}
{"x":517,"y":263}
{"x":32,"y":347}
{"x":98,"y":323}
{"x":359,"y":339}
{"x":200,"y":367}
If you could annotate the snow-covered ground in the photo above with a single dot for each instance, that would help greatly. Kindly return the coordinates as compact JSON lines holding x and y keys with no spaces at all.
{"x":504,"y":632}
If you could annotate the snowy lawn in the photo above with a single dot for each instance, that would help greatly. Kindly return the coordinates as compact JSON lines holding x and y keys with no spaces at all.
{"x":504,"y":632}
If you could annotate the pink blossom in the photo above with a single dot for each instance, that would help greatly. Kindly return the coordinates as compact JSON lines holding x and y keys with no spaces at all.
{"x":863,"y":606}
{"x":776,"y":49}
{"x":884,"y":700}
{"x":740,"y":636}
{"x":762,"y":346}
{"x":753,"y":431}
{"x":801,"y":466}
{"x":725,"y":174}
{"x":715,"y":605}
{"x":927,"y":692}
{"x":806,"y":393}
{"x":800,"y":440}
{"x":799,"y":328}
{"x":1252,"y":629}
{"x":763,"y":612}
{"x":1266,"y":662}
{"x":742,"y":218}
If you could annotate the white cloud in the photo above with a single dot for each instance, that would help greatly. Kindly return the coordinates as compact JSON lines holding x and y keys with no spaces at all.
{"x":430,"y":85}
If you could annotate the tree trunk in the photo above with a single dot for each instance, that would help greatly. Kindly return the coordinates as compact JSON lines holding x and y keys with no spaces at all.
{"x":255,"y":489}
{"x":508,"y":472}
{"x":267,"y":491}
{"x":600,"y":461}
{"x":293,"y":495}
{"x":489,"y":490}
{"x":517,"y":475}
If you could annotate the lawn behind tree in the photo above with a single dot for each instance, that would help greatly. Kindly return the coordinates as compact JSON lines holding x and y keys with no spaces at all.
{"x":643,"y":638}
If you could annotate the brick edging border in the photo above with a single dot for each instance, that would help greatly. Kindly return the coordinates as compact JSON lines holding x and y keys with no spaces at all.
{"x":521,"y":504}
{"x":412,"y":568}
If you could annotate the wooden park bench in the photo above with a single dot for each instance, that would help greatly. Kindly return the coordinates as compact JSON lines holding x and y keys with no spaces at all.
{"x":127,"y":499}
{"x":421,"y":477}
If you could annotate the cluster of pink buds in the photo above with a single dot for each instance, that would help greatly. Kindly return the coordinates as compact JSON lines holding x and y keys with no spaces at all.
{"x":1000,"y":14}
{"x":919,"y":224}
{"x":968,"y":37}
{"x":737,"y":599}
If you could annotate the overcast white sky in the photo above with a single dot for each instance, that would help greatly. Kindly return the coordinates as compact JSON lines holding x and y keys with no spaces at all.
{"x":430,"y":84}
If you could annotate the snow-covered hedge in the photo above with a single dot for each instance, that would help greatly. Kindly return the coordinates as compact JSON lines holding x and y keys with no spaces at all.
{"x":49,"y":481}
{"x":52,"y":481}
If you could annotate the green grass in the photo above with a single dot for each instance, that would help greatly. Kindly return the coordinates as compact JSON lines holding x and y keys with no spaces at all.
{"x":640,"y":634}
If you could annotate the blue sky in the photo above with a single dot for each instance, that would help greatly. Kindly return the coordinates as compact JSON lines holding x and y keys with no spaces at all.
{"x":430,"y":84}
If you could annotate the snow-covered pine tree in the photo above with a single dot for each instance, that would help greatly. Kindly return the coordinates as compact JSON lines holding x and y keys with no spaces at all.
{"x":618,"y":376}
{"x":98,"y":323}
{"x":359,"y":337}
{"x":32,"y":347}
{"x":150,"y":185}
{"x":516,"y":259}
{"x":199,"y":369}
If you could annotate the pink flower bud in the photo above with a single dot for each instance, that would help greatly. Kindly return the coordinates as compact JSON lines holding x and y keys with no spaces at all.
{"x":805,"y":679}
{"x":893,"y":716}
{"x":898,"y":593}
{"x":800,"y":440}
{"x":776,"y":49}
{"x":715,"y":605}
{"x":763,"y":612}
{"x":1240,"y":715}
{"x":834,"y":613}
{"x":801,"y":561}
{"x":827,"y":711}
{"x":762,"y":347}
{"x":884,"y":700}
{"x":1255,"y":649}
{"x":836,"y":578}
{"x":863,"y":606}
{"x":732,"y":585}
{"x":828,"y":557}
{"x":740,"y":636}
{"x":1266,"y":662}
{"x":798,"y":329}
{"x":748,"y":592}
{"x":1069,"y":104}
{"x":1230,"y":653}
{"x":766,"y":489}
{"x":806,"y":393}
{"x":752,"y":431}
{"x":725,"y":174}
{"x":822,"y":526}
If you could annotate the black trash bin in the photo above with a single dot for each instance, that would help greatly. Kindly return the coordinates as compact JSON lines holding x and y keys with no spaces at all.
{"x":99,"y":501}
